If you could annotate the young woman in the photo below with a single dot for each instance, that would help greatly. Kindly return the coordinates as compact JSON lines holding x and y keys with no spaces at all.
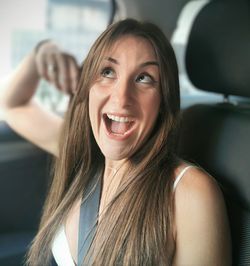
{"x":120,"y":130}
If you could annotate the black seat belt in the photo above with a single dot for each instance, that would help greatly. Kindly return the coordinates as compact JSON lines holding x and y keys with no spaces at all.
{"x":88,"y":218}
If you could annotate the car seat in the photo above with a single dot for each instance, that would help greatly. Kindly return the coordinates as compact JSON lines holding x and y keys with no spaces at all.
{"x":216,"y":135}
{"x":24,"y":177}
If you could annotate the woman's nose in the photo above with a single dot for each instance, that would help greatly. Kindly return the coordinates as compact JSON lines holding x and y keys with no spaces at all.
{"x":122,"y":93}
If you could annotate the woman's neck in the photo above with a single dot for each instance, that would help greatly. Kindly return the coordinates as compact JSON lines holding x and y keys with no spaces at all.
{"x":113,"y":173}
{"x":113,"y":168}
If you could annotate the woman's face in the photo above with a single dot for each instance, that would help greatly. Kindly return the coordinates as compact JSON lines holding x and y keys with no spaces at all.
{"x":125,"y":99}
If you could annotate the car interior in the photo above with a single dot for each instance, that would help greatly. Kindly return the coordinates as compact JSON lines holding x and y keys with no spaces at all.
{"x":214,"y":133}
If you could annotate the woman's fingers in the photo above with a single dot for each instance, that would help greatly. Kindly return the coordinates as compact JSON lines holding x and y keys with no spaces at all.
{"x":67,"y":73}
{"x":41,"y":65}
{"x":57,"y":67}
{"x":74,"y":72}
{"x":52,"y":70}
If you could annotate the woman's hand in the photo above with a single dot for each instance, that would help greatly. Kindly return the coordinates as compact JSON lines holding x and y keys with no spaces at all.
{"x":56,"y":66}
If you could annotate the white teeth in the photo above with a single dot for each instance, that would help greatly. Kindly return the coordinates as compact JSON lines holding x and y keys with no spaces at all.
{"x":121,"y":119}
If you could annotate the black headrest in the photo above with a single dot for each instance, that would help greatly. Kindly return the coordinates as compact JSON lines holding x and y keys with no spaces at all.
{"x":218,"y":50}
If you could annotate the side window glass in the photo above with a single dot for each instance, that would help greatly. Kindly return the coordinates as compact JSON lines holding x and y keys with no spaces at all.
{"x":74,"y":24}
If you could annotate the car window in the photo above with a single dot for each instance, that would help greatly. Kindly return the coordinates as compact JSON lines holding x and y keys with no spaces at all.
{"x":74,"y":24}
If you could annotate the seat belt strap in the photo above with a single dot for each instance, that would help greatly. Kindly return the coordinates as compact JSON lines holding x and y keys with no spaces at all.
{"x":88,"y":218}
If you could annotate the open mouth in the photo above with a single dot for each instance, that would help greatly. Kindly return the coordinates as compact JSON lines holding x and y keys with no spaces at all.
{"x":118,"y":125}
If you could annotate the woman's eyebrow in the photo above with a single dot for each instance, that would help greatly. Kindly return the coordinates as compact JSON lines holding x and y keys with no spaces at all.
{"x":155,"y":63}
{"x":112,"y":60}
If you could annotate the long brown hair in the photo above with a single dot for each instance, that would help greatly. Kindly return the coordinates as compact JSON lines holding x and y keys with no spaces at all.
{"x":137,"y":226}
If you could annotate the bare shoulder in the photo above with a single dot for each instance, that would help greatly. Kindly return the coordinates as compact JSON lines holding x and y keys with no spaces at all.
{"x":202,"y":230}
{"x":197,"y":184}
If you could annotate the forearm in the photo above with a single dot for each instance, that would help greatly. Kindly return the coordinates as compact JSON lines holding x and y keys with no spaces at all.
{"x":21,"y":85}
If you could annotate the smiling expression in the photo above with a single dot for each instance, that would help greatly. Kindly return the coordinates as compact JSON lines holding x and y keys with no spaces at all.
{"x":124,"y":100}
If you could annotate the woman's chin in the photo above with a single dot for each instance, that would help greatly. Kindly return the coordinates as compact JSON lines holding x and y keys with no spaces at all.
{"x":116,"y":153}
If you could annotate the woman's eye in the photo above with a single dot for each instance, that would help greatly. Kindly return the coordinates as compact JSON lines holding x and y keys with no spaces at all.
{"x":108,"y":73}
{"x":145,"y":78}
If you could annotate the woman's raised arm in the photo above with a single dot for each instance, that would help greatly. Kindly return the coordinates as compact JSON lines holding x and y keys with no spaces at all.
{"x":21,"y":112}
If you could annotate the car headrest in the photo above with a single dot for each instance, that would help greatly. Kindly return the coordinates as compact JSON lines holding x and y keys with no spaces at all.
{"x":218,"y":49}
